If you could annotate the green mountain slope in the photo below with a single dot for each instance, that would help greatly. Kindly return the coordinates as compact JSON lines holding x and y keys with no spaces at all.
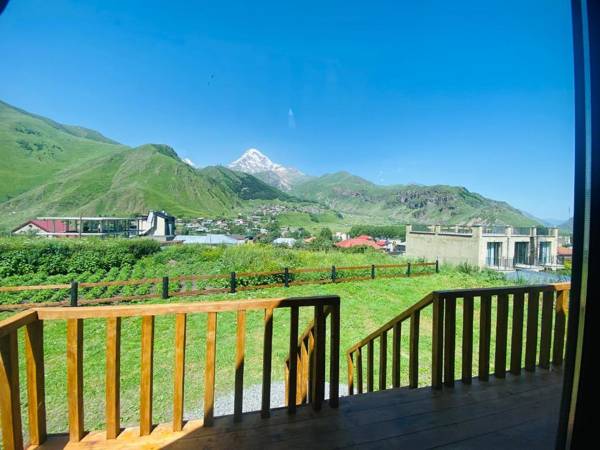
{"x":52,"y":169}
{"x":408,"y":203}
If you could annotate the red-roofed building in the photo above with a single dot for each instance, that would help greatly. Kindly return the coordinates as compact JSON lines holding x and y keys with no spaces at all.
{"x":360,"y":241}
{"x":564,"y":254}
{"x":41,"y":226}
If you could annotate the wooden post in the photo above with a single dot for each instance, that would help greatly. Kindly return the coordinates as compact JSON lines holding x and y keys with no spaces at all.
{"x":286,"y":277}
{"x":485,"y":314}
{"x":34,"y":354}
{"x":334,"y":355}
{"x":165,"y":288}
{"x":437,"y":266}
{"x":408,"y":270}
{"x":267,"y":354}
{"x":10,"y":404}
{"x":413,"y":356}
{"x":449,"y":340}
{"x":437,"y":344}
{"x":293,"y":361}
{"x":319,"y":365}
{"x":501,"y":336}
{"x":467,"y":340}
{"x":333,"y":274}
{"x":396,"y":354}
{"x":74,"y":292}
{"x":372,"y":271}
{"x":179,"y":371}
{"x":146,"y":378}
{"x":113,"y":377}
{"x":75,"y":378}
{"x":209,"y":368}
{"x":383,"y":361}
{"x":240,"y":351}
{"x":233,"y":283}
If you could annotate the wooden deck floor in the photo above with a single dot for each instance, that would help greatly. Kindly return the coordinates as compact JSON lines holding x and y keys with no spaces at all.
{"x":517,"y":412}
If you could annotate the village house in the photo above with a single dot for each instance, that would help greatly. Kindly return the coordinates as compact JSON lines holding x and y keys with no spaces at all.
{"x":497,"y":247}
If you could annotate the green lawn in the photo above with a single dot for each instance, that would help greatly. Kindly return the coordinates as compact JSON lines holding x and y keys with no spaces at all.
{"x":365,"y":306}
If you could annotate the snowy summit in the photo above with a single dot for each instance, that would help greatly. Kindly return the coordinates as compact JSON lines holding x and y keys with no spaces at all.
{"x":256,"y":163}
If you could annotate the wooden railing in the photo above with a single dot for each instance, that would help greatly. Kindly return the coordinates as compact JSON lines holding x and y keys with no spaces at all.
{"x":191,"y":285}
{"x":548,"y":334}
{"x":32,"y":322}
{"x":299,"y":382}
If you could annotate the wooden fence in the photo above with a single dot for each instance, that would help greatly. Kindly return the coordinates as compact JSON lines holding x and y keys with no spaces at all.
{"x":546,"y":333}
{"x":167,"y":287}
{"x":32,"y":322}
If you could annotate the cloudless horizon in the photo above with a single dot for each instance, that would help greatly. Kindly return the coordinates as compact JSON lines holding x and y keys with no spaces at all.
{"x":469,"y":93}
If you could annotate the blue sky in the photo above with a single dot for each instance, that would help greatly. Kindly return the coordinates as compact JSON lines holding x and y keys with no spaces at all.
{"x":472,"y":93}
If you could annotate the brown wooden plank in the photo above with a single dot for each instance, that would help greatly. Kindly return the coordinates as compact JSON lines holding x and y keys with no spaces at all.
{"x":370,"y":368}
{"x":146,"y":371}
{"x":449,"y":340}
{"x":501,"y":336}
{"x":267,"y":356}
{"x":113,"y":377}
{"x":334,"y":355}
{"x":75,"y":378}
{"x":34,"y":356}
{"x":467,"y":340}
{"x":383,"y":361}
{"x":240,"y":357}
{"x":559,"y":328}
{"x":179,"y":371}
{"x":10,"y":404}
{"x":437,"y":343}
{"x":359,"y":370}
{"x":16,"y":321}
{"x":516,"y":341}
{"x":396,"y":354}
{"x":293,"y":360}
{"x":485,"y":316}
{"x":209,"y":369}
{"x":305,"y":358}
{"x":413,"y":357}
{"x":350,"y":363}
{"x":318,"y":379}
{"x":546,"y":331}
{"x":532,"y":329}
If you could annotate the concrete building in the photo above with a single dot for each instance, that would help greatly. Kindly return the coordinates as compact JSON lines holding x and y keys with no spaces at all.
{"x":498,"y":247}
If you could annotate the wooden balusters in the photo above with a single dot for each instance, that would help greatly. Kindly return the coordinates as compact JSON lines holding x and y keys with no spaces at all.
{"x":240,"y":350}
{"x":350,"y":362}
{"x":179,"y":371}
{"x":413,"y":361}
{"x":485,"y":316}
{"x":209,"y":368}
{"x":437,"y":342}
{"x":267,"y":352}
{"x":305,"y":357}
{"x":293,"y":361}
{"x":449,"y":339}
{"x":318,"y":380}
{"x":334,"y":356}
{"x":516,"y":341}
{"x":359,"y":370}
{"x":382,"y":360}
{"x":467,"y":340}
{"x":546,"y":330}
{"x":75,"y":378}
{"x":113,"y":377}
{"x":10,"y":405}
{"x":34,"y":356}
{"x":146,"y":370}
{"x":501,"y":336}
{"x":396,"y":354}
{"x":532,"y":329}
{"x":559,"y":328}
{"x":370,"y":366}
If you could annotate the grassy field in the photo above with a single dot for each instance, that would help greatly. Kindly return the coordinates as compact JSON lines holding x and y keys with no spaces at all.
{"x":365,"y":306}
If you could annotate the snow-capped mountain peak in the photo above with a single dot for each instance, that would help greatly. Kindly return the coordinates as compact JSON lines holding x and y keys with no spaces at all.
{"x":254,"y":162}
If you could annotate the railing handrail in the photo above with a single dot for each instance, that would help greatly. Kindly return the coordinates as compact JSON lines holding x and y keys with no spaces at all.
{"x":423,"y":303}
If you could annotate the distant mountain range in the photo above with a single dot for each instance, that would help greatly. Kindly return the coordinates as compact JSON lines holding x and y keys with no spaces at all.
{"x":53,"y":169}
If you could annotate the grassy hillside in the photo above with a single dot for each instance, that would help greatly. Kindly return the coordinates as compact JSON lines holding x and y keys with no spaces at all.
{"x":408,"y":203}
{"x":54,"y":169}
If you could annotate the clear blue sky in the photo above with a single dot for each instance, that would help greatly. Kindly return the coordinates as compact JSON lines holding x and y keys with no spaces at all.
{"x":474,"y":93}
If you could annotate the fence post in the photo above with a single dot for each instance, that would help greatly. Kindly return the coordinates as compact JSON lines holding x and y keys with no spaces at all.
{"x":408,"y":270}
{"x":333,"y":274}
{"x":437,"y":266}
{"x":286,"y":277}
{"x":372,"y":271}
{"x":74,"y":292}
{"x":165,"y":287}
{"x":233,"y":283}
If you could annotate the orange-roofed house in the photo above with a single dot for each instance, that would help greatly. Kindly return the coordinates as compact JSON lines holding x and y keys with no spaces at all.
{"x":361,"y":241}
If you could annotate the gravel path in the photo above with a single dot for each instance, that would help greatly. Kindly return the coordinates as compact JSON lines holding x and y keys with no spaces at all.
{"x":253,"y":399}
